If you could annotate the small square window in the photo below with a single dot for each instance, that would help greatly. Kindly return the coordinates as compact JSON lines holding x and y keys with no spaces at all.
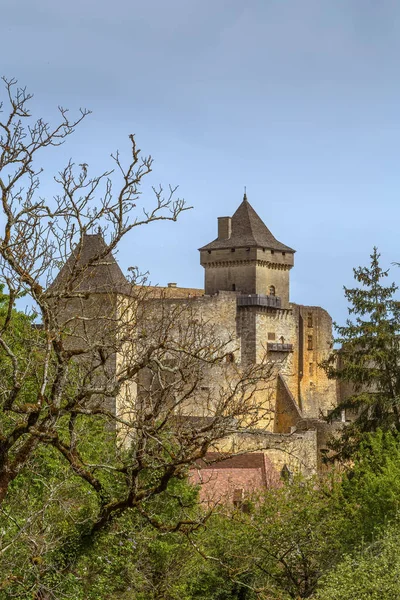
{"x":271,"y":335}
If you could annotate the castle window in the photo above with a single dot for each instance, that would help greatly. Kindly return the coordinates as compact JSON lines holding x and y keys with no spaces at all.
{"x":309,"y":342}
{"x":272,"y":290}
{"x":209,"y":251}
{"x":233,"y":287}
{"x":230,"y":357}
{"x":311,"y":369}
{"x":309,"y":320}
{"x":233,"y":249}
{"x":283,"y":253}
{"x":271,"y":335}
{"x":272,"y":251}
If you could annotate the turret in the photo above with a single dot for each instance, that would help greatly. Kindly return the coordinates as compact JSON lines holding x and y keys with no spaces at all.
{"x":247,"y":258}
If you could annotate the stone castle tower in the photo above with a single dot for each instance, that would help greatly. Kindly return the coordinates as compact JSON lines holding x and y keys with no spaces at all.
{"x":247,"y":258}
{"x":250,"y":263}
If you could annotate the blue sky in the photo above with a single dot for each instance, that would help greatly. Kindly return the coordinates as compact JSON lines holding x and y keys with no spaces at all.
{"x":296,"y":99}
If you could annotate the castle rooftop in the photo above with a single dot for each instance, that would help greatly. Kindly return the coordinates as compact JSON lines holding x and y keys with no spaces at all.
{"x":100,"y":274}
{"x":247,"y":230}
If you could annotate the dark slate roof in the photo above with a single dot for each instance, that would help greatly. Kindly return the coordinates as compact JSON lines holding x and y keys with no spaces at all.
{"x":104,"y":275}
{"x":248,"y":230}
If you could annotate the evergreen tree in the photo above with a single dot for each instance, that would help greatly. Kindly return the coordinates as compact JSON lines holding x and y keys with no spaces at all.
{"x":367,"y":360}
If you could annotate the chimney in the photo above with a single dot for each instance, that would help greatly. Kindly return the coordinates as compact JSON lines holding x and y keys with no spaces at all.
{"x":172,"y":285}
{"x":224,"y":228}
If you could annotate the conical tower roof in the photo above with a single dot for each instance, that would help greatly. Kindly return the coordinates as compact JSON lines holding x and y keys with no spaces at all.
{"x":103,"y":276}
{"x":248,"y":230}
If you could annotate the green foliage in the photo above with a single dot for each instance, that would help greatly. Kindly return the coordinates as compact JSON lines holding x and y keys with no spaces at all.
{"x":368,"y":358}
{"x":280,"y":549}
{"x":368,"y":496}
{"x":297,"y":537}
{"x":294,"y":537}
{"x":226,"y":573}
{"x":23,"y":340}
{"x":48,"y":544}
{"x":303,"y":540}
{"x":369,"y":493}
{"x":132,"y":559}
{"x":371,"y":574}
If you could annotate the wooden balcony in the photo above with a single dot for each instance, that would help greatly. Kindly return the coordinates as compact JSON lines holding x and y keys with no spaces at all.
{"x":258,"y":300}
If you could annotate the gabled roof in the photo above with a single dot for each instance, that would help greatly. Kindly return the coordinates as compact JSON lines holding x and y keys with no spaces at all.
{"x":248,"y":230}
{"x":103,"y":276}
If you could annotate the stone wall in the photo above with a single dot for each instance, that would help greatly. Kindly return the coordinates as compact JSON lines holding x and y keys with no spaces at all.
{"x":248,"y":271}
{"x":287,"y":413}
{"x":229,"y":271}
{"x":309,"y":330}
{"x":297,"y":450}
{"x":170,"y":291}
{"x":276,"y":326}
{"x":273,"y":268}
{"x":217,"y":313}
{"x":86,"y":323}
{"x":317,"y":394}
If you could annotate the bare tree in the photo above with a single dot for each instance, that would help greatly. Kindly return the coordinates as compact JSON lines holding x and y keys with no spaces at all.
{"x":107,"y":355}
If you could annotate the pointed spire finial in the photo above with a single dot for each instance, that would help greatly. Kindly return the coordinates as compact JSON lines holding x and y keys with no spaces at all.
{"x":99,"y":230}
{"x":244,"y":195}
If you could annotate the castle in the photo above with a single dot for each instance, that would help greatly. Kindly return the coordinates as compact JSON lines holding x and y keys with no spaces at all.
{"x":246,"y":293}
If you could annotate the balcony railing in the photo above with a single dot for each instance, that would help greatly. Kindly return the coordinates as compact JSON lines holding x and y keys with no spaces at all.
{"x":258,"y":300}
{"x":272,"y":347}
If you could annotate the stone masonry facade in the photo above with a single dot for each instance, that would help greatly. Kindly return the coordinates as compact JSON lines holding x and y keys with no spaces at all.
{"x":246,"y":296}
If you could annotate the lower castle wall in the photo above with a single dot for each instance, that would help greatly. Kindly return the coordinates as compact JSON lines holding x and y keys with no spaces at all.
{"x":298,"y":451}
{"x":244,"y":335}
